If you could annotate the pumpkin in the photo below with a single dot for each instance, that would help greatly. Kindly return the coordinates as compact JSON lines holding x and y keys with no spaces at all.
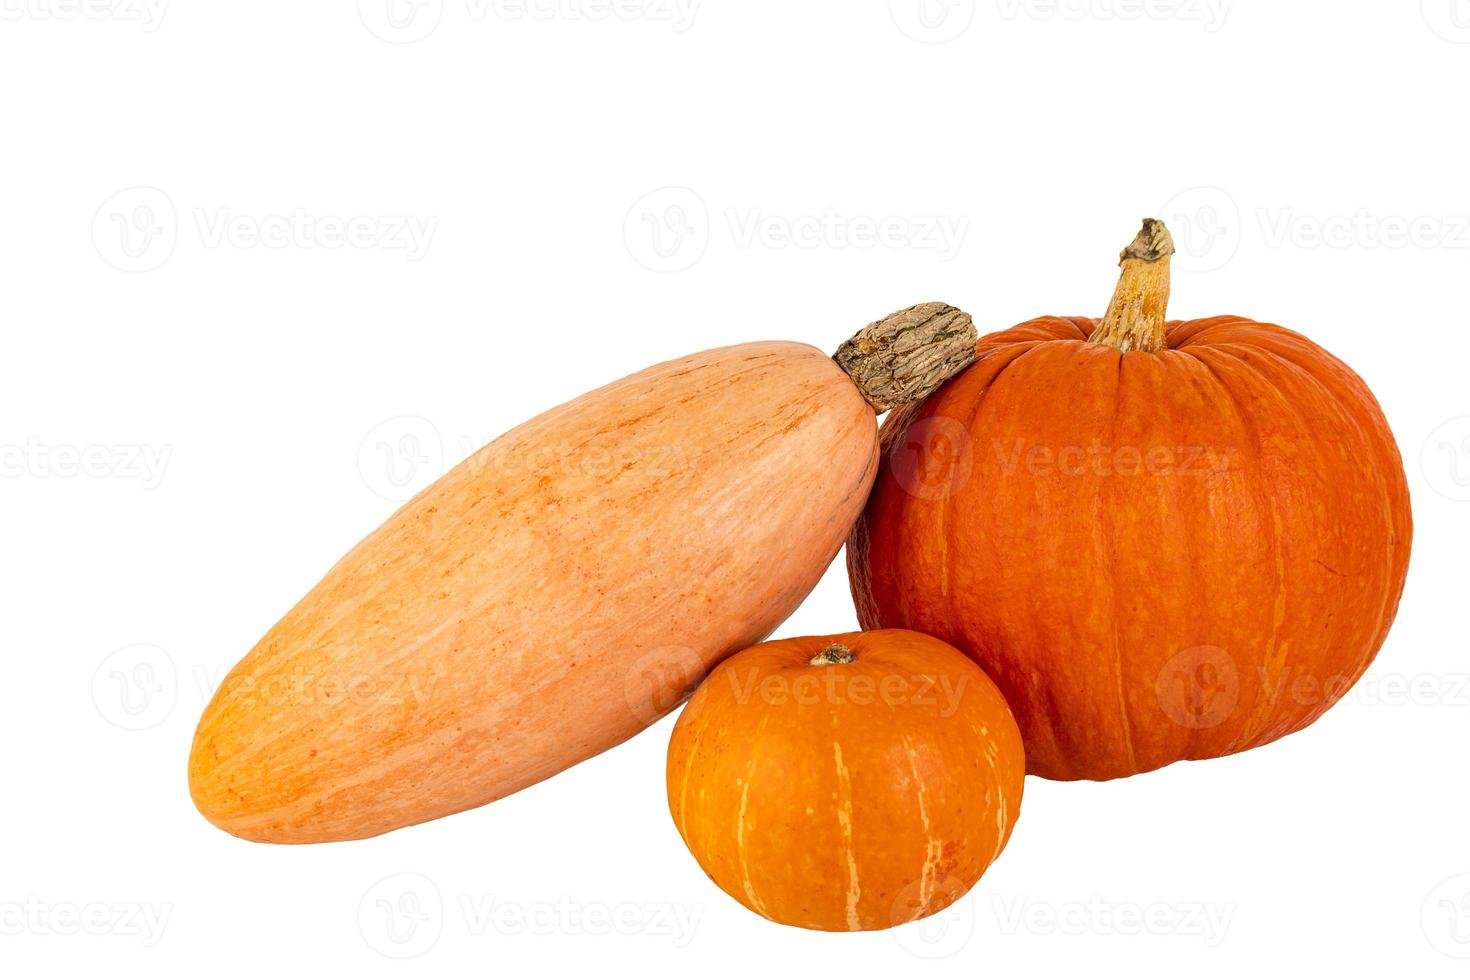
{"x":846,"y":782}
{"x":562,"y":588}
{"x":1163,"y":540}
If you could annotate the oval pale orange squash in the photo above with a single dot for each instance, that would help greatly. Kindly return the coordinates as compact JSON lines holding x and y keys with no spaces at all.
{"x":560,"y":589}
{"x":846,"y":782}
{"x":1164,"y":541}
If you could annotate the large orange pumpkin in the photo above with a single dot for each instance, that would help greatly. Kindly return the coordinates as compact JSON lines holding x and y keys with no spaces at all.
{"x":846,"y":782}
{"x":1164,"y":541}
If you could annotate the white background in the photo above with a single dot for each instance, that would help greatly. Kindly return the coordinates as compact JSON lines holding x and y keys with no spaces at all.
{"x":210,"y":391}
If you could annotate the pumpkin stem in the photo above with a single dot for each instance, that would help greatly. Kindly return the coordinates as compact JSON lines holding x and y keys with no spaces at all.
{"x":835,"y":654}
{"x":905,"y":357}
{"x":1136,"y":316}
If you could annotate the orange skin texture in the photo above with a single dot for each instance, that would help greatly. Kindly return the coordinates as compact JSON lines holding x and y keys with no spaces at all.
{"x":1157,"y":556}
{"x":550,"y":597}
{"x":846,"y":797}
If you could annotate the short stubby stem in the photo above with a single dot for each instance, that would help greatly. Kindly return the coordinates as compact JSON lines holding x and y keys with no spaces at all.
{"x":905,"y":357}
{"x":835,"y":654}
{"x":1136,"y":316}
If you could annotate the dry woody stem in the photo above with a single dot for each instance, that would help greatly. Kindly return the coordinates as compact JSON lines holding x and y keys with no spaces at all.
{"x":1136,"y":316}
{"x":905,"y":357}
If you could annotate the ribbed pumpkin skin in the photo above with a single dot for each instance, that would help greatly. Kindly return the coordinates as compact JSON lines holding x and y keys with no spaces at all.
{"x":545,"y":600}
{"x":1208,"y":599}
{"x":846,"y":797}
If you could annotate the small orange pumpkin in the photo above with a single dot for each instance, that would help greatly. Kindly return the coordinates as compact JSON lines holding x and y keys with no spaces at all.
{"x":1164,"y":541}
{"x":847,"y":782}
